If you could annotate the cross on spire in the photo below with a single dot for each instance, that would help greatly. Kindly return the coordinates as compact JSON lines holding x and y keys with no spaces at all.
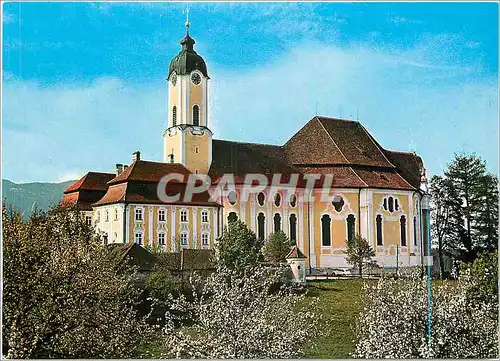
{"x":187,"y":20}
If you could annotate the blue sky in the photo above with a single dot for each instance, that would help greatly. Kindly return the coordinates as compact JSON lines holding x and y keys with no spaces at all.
{"x":83,"y":83}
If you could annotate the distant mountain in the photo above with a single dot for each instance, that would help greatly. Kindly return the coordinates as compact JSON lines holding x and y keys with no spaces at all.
{"x":25,"y":196}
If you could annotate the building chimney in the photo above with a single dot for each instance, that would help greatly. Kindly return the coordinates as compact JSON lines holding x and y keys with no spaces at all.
{"x":119,"y":169}
{"x":136,"y":156}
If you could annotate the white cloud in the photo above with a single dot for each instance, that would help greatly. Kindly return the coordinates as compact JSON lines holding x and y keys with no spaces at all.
{"x":411,"y":100}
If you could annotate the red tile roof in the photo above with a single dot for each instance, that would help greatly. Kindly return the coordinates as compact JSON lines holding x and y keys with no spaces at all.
{"x":139,"y":184}
{"x":83,"y":199}
{"x":243,"y":158}
{"x":147,"y":171}
{"x":409,"y":165}
{"x":92,"y":181}
{"x":295,"y":253}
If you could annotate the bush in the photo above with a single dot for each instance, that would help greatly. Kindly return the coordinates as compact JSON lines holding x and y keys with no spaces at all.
{"x":63,"y":295}
{"x":393,"y":322}
{"x":277,"y":247}
{"x":484,"y":278}
{"x":239,"y":317}
{"x":238,"y":247}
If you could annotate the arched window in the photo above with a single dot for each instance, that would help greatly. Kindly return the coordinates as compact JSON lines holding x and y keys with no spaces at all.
{"x":379,"y":230}
{"x":277,"y":199}
{"x":196,"y":115}
{"x":385,"y":203}
{"x":351,"y":227}
{"x":415,"y":242}
{"x":391,"y":204}
{"x":261,"y":197}
{"x":338,"y":203}
{"x":396,"y":204}
{"x":277,"y":222}
{"x":326,"y":239}
{"x":293,"y":200}
{"x":261,"y":225}
{"x":174,"y":116}
{"x":293,"y":228}
{"x":402,"y":221}
{"x":232,"y":217}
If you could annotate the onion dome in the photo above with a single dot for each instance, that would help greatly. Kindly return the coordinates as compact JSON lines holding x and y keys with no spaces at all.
{"x":187,"y":60}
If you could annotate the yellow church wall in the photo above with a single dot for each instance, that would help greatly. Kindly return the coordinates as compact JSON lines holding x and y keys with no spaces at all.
{"x":338,"y":225}
{"x":196,"y":95}
{"x":391,"y":230}
{"x":197,"y":161}
{"x":172,"y":145}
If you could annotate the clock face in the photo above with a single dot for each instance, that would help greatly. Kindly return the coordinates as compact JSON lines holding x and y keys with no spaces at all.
{"x":174,"y":79}
{"x":196,"y":78}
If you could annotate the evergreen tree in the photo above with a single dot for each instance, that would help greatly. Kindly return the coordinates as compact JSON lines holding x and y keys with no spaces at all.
{"x":359,"y":253}
{"x":277,"y":247}
{"x":238,"y":247}
{"x":465,"y":208}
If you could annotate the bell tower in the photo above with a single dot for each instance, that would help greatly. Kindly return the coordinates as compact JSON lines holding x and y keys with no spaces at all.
{"x":187,"y":139}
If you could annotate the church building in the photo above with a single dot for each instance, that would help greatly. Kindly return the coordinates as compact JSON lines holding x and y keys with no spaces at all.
{"x":374,"y":192}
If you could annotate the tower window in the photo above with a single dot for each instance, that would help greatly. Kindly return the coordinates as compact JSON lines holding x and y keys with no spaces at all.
{"x":403,"y":231}
{"x":325,"y":231}
{"x":174,"y":116}
{"x":379,"y":230}
{"x":261,"y":219}
{"x":277,"y":222}
{"x":293,"y":228}
{"x":196,"y":115}
{"x":351,"y":227}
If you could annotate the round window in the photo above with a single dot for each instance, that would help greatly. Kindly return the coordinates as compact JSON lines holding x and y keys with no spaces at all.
{"x":261,"y":198}
{"x":277,"y":199}
{"x":338,"y":203}
{"x":231,"y":197}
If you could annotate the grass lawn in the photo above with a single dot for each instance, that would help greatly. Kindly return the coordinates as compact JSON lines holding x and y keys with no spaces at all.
{"x":339,"y":303}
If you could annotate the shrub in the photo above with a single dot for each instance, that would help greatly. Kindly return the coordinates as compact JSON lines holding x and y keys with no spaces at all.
{"x":276,"y":248}
{"x":238,"y":247}
{"x":239,"y":317}
{"x":63,"y":295}
{"x":393,"y":322}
